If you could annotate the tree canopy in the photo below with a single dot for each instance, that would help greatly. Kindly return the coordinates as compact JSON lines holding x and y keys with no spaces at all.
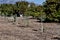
{"x":50,"y":10}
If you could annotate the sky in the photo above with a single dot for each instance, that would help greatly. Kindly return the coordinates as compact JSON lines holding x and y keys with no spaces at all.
{"x":13,"y":1}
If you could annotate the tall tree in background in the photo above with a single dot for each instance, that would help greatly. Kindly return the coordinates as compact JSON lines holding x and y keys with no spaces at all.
{"x":22,"y":6}
{"x":51,"y":7}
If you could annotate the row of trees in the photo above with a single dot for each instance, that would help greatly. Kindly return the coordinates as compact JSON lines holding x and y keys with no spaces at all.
{"x":49,"y":11}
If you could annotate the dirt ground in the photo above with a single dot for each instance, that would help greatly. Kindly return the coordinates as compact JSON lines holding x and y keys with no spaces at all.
{"x":19,"y":30}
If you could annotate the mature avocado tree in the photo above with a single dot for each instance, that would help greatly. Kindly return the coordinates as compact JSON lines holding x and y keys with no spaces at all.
{"x":22,"y":6}
{"x":34,"y":10}
{"x":6,"y":9}
{"x":51,"y":10}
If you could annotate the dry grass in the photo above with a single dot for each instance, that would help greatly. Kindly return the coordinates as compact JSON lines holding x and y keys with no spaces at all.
{"x":19,"y":31}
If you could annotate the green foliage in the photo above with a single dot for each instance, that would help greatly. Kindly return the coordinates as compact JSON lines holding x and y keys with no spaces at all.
{"x":50,"y":10}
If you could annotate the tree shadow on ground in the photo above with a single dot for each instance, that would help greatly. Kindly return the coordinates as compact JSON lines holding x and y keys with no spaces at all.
{"x":58,"y":38}
{"x":48,"y":22}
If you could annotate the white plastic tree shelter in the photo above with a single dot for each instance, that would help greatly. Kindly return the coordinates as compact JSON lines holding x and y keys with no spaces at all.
{"x":42,"y":19}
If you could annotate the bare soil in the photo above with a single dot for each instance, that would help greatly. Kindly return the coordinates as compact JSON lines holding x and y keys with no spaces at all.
{"x":19,"y":30}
